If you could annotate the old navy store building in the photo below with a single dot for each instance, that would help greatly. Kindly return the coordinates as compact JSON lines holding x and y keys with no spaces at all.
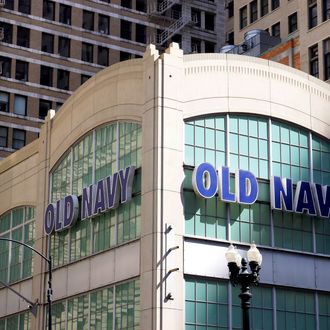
{"x":138,"y":185}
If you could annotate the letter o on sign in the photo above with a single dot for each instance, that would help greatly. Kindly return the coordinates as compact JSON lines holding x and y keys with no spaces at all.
{"x":49,"y":220}
{"x":205,"y":181}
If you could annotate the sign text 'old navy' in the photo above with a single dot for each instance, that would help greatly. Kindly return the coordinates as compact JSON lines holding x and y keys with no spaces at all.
{"x":97,"y":198}
{"x":309,"y":197}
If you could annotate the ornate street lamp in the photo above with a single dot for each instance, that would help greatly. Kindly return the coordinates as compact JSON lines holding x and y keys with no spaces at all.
{"x":239,"y":274}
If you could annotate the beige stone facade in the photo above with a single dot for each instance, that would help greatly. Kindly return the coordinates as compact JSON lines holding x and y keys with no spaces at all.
{"x":160,"y":93}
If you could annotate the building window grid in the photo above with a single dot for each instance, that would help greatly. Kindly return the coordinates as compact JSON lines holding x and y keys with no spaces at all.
{"x":314,"y":61}
{"x":65,"y":14}
{"x":326,"y":9}
{"x":22,"y":70}
{"x":312,"y":13}
{"x":103,"y":24}
{"x":99,"y":154}
{"x":4,"y":101}
{"x":87,"y":52}
{"x":17,"y":321}
{"x":3,"y":137}
{"x":243,"y":17}
{"x":19,"y":138}
{"x":48,"y":10}
{"x":5,"y":67}
{"x":64,"y":46}
{"x":253,"y":11}
{"x":326,"y":56}
{"x":208,"y":304}
{"x":250,"y":223}
{"x":261,"y":315}
{"x":248,"y":145}
{"x":9,"y":4}
{"x":8,"y":32}
{"x":23,"y":37}
{"x":295,"y":309}
{"x":24,"y":6}
{"x":16,"y":262}
{"x":263,"y":7}
{"x":88,"y":20}
{"x":115,"y":307}
{"x":290,"y":147}
{"x":293,"y":22}
{"x":20,"y":105}
{"x":275,"y":4}
{"x":206,"y":225}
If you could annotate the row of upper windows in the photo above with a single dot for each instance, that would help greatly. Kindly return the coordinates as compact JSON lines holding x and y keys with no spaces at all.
{"x":47,"y":39}
{"x":313,"y":19}
{"x":251,"y":11}
{"x":24,"y":6}
{"x":46,"y":74}
{"x":244,"y":142}
{"x":18,"y":138}
{"x":314,"y":59}
{"x":20,"y":107}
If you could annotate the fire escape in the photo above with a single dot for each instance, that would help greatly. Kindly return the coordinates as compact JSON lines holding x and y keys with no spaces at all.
{"x":177,"y":19}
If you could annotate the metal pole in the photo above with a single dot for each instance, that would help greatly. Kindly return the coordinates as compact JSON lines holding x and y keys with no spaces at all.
{"x":245,"y":296}
{"x":49,"y":293}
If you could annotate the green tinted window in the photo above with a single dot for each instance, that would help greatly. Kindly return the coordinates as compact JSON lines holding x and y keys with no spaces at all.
{"x":205,"y":141}
{"x":116,"y":307}
{"x":206,"y":304}
{"x":250,"y":223}
{"x":16,"y":261}
{"x":290,"y":152}
{"x":321,"y":160}
{"x":261,"y":315}
{"x":293,"y":231}
{"x":21,"y":321}
{"x":97,"y":155}
{"x":295,"y":309}
{"x":248,"y":145}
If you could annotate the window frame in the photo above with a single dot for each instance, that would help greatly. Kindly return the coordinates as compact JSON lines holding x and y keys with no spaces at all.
{"x":3,"y":137}
{"x":16,"y":98}
{"x":18,"y":142}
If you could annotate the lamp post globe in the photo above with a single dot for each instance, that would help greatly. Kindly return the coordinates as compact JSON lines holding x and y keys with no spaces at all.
{"x":240,"y":275}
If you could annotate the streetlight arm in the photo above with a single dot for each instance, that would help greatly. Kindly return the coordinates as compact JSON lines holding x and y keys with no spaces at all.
{"x":26,"y":245}
{"x":50,"y":290}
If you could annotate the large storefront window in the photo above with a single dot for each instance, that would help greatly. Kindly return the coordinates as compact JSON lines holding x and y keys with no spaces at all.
{"x":214,"y":304}
{"x":112,"y":308}
{"x":248,"y":145}
{"x":16,"y":260}
{"x":99,"y":154}
{"x":290,"y":152}
{"x":264,"y":147}
{"x":295,"y":309}
{"x":20,"y":321}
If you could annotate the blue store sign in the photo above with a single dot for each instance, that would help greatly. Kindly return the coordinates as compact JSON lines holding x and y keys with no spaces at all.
{"x":309,"y":197}
{"x":97,"y":198}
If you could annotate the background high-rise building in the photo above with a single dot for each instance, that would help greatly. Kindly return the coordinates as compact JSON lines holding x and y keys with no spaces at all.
{"x":49,"y":48}
{"x":300,"y":29}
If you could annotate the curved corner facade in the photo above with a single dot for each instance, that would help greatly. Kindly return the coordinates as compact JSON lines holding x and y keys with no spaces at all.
{"x":136,"y":243}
